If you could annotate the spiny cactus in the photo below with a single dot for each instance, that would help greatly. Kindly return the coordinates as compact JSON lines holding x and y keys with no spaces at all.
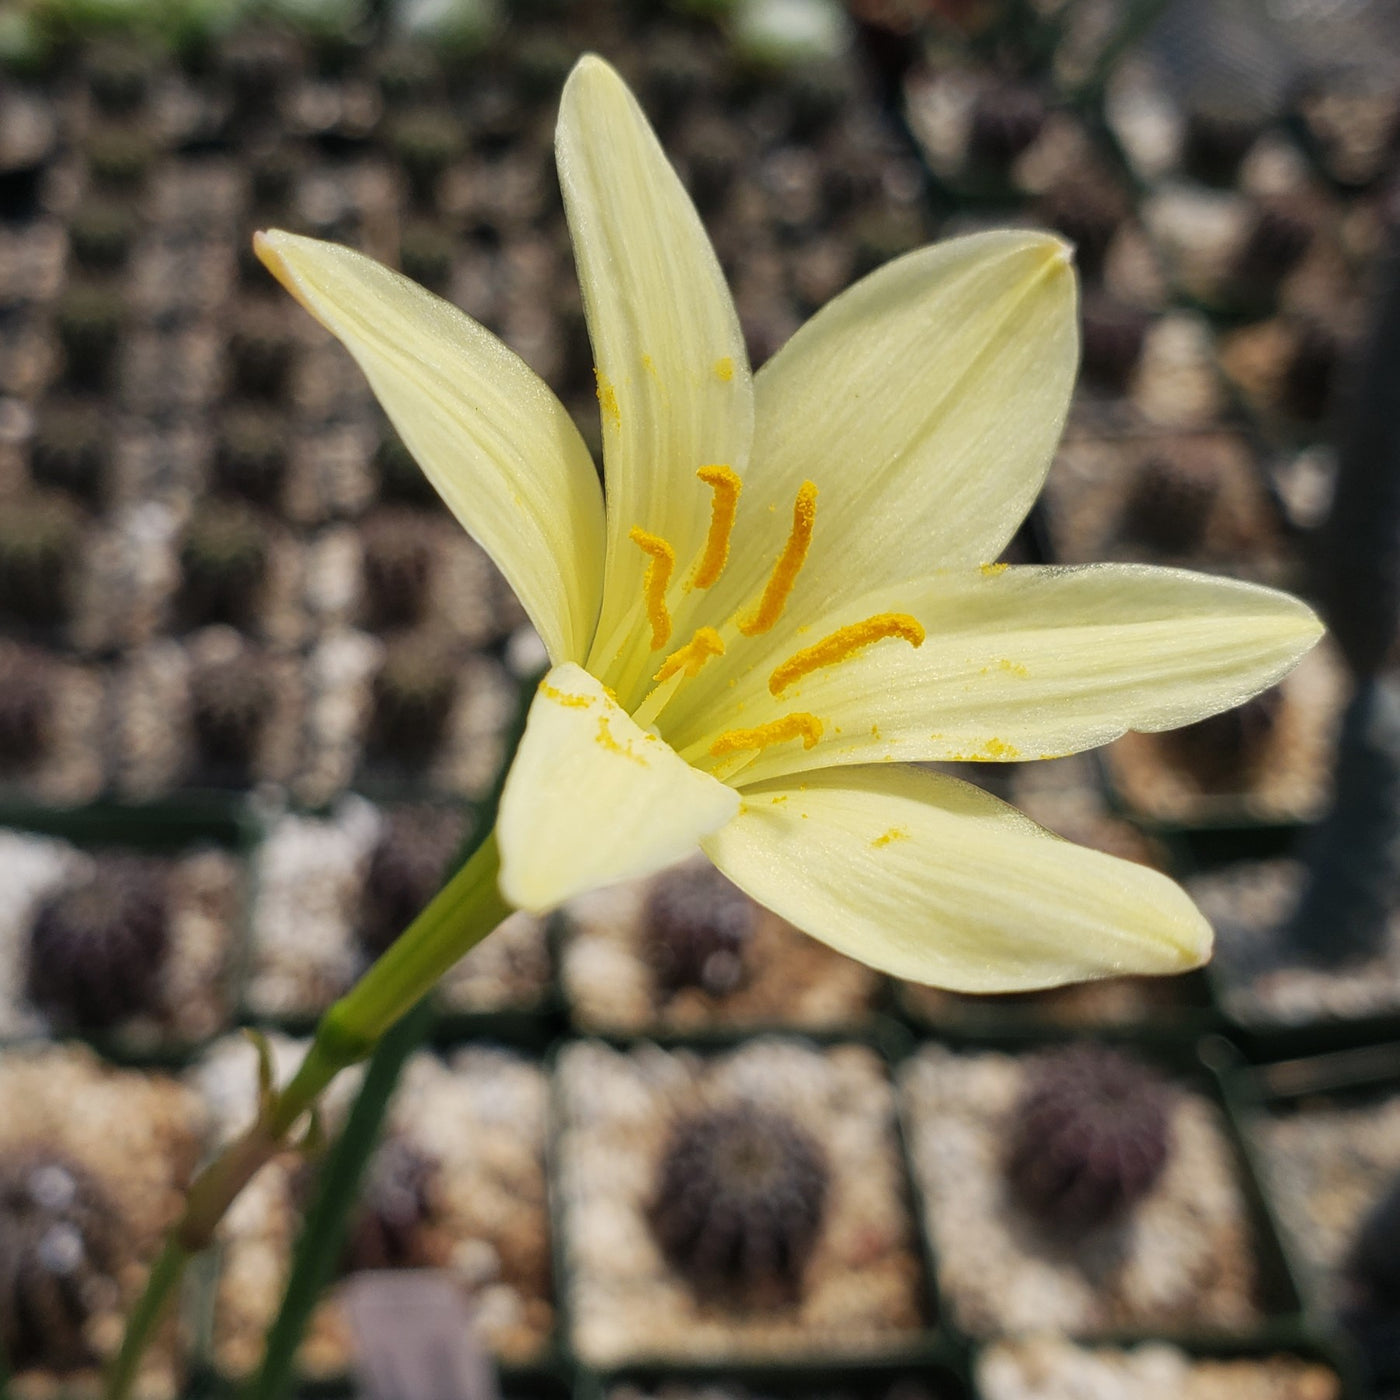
{"x":426,"y":141}
{"x":100,"y":234}
{"x":1088,"y":1138}
{"x":406,"y":869}
{"x":738,"y":1203}
{"x":696,"y":926}
{"x":396,"y":1202}
{"x":39,"y":538}
{"x":59,"y":1249}
{"x":1169,"y":504}
{"x":89,"y":319}
{"x":71,"y":447}
{"x":260,"y":354}
{"x":413,"y":697}
{"x":1222,"y":752}
{"x":231,"y":700}
{"x":97,"y":949}
{"x":1370,"y":1309}
{"x":1006,"y":119}
{"x":26,"y":700}
{"x":251,"y":459}
{"x":398,"y":561}
{"x":223,"y":558}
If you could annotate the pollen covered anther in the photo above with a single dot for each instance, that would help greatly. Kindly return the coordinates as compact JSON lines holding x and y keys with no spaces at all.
{"x":802,"y":726}
{"x":724,"y":482}
{"x":790,"y":561}
{"x":693,"y":655}
{"x":658,"y":579}
{"x":844,"y":642}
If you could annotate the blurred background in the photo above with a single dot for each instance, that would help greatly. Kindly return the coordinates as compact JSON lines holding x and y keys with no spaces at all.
{"x":256,"y":687}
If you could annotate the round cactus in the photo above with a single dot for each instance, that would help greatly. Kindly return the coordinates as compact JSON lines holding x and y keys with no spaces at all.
{"x":1171,"y":500}
{"x":738,"y":1203}
{"x":396,"y":1201}
{"x":251,"y":460}
{"x":231,"y":700}
{"x":696,"y":926}
{"x":1088,"y":1138}
{"x":224,"y":558}
{"x":413,"y":697}
{"x":59,"y":1249}
{"x":1222,"y":751}
{"x":26,"y":699}
{"x":97,"y":949}
{"x":1006,"y":119}
{"x":398,"y":566}
{"x":406,"y":870}
{"x":40,"y":544}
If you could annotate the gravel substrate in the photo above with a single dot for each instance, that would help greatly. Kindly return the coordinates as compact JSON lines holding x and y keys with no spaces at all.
{"x":1182,"y":1259}
{"x":788,"y":979}
{"x":1051,"y":1368}
{"x":1327,"y":1165}
{"x":204,"y":903}
{"x":137,"y":1136}
{"x":480,"y":1118}
{"x":862,"y":1287}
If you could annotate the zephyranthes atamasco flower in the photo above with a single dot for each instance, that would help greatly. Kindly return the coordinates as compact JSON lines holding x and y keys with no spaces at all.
{"x":787,"y":595}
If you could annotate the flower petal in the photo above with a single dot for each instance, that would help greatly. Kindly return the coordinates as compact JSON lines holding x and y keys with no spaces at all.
{"x":929,"y":878}
{"x":925,"y":403}
{"x":498,"y":446}
{"x":1016,"y":663}
{"x":591,"y":798}
{"x":673,"y":374}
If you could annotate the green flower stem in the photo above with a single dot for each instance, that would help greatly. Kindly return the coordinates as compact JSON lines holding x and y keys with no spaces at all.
{"x":467,"y":909}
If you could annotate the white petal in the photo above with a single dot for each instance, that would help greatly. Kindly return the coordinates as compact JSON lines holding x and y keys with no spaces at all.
{"x":592,"y":799}
{"x":1016,"y":663}
{"x":925,"y":404}
{"x":929,"y":878}
{"x":674,"y":375}
{"x":498,"y":446}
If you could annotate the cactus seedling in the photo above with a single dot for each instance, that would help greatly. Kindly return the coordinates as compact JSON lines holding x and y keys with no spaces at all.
{"x":97,"y":949}
{"x":223,"y":557}
{"x":1088,"y":1138}
{"x":413,"y":696}
{"x":70,"y":449}
{"x":426,"y":141}
{"x":39,"y":538}
{"x":696,"y":926}
{"x":251,"y":460}
{"x":1169,"y":505}
{"x":398,"y":561}
{"x":396,"y":1201}
{"x":89,"y":320}
{"x":26,"y":698}
{"x":1222,"y":751}
{"x":58,"y":1254}
{"x":231,"y":700}
{"x":100,"y":234}
{"x":260,"y":357}
{"x":406,"y":869}
{"x":738,"y":1203}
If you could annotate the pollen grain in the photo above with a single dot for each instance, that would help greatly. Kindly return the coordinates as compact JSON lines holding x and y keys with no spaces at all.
{"x":662,"y":561}
{"x":790,"y":561}
{"x":844,"y":642}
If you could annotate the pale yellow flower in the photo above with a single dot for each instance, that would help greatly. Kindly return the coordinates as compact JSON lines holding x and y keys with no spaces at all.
{"x":787,"y":596}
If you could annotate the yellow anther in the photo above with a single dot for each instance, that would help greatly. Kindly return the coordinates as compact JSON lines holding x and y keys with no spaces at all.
{"x":724,"y":369}
{"x":725,"y":483}
{"x":790,"y":561}
{"x":844,"y":642}
{"x":693,"y":655}
{"x":658,"y":579}
{"x":802,"y":726}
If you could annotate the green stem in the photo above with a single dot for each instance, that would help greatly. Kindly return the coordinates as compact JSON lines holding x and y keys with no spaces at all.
{"x":467,"y":909}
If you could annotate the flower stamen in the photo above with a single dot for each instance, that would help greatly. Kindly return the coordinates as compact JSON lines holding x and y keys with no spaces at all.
{"x":844,"y":642}
{"x":790,"y":561}
{"x":693,"y":655}
{"x":724,"y":482}
{"x":801,"y":725}
{"x":658,"y":577}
